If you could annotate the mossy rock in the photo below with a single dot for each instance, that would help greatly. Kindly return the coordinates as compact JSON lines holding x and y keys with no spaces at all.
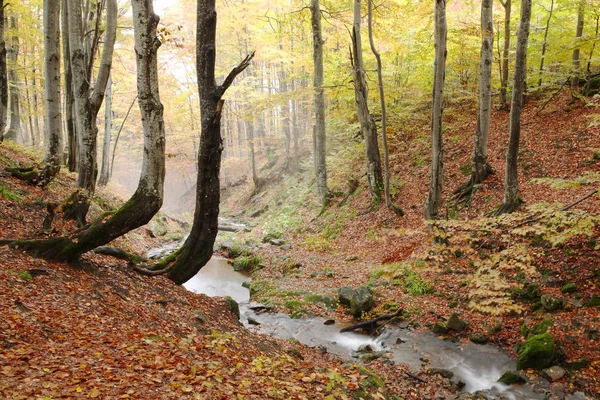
{"x":440,"y":371}
{"x":345,"y":295}
{"x":233,"y":306}
{"x":551,"y":303}
{"x":570,"y":287}
{"x":510,"y":378}
{"x":530,"y":292}
{"x":594,"y":302}
{"x":455,"y":323}
{"x":537,"y":329}
{"x":362,"y":301}
{"x":537,"y":352}
{"x":439,"y":328}
{"x":479,"y":338}
{"x":578,"y":364}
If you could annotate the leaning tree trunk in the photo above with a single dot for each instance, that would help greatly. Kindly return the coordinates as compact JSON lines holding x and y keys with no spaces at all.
{"x":367,"y":123}
{"x":88,"y":103}
{"x":3,"y":76}
{"x":198,"y":247}
{"x":432,"y":204}
{"x":53,"y":120}
{"x":148,"y":197}
{"x":480,"y":168}
{"x":105,"y":170}
{"x":545,"y":44}
{"x":511,"y":181}
{"x":576,"y":51}
{"x":15,"y":115}
{"x":319,"y":136}
{"x":507,"y":4}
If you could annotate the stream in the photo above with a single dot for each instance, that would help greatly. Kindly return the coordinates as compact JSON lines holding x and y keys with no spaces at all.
{"x":478,"y":366}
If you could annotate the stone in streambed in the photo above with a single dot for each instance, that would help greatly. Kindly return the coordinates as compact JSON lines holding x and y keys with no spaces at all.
{"x":537,"y":352}
{"x":439,"y":328}
{"x":510,"y":378}
{"x":554,"y":373}
{"x":456,"y":324}
{"x":362,"y":300}
{"x":345,"y":295}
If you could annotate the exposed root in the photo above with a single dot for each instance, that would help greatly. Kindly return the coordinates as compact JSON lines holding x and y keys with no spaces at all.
{"x":119,"y":253}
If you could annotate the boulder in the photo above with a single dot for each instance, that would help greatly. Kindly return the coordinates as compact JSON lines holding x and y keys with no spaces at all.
{"x":510,"y":378}
{"x":362,"y":300}
{"x":233,"y":306}
{"x":439,"y":328}
{"x":345,"y":295}
{"x":456,"y":324}
{"x":537,"y":352}
{"x":554,"y":373}
{"x":551,"y":303}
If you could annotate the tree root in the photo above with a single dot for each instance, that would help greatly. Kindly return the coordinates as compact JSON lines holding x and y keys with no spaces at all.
{"x":119,"y":253}
{"x":507,"y":208}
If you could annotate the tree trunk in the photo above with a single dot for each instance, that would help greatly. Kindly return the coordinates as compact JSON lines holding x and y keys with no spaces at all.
{"x":386,"y":151}
{"x":87,"y":103}
{"x":249,"y":125}
{"x":105,"y":170}
{"x":15,"y":115}
{"x":576,"y":51}
{"x":69,"y":105}
{"x":198,"y":247}
{"x":545,"y":44}
{"x":367,"y":124}
{"x":53,"y":118}
{"x":3,"y":76}
{"x":480,"y":168}
{"x":147,"y":199}
{"x":507,"y":4}
{"x":432,"y":204}
{"x":511,"y":181}
{"x":36,"y":102}
{"x":285,"y":114}
{"x":319,"y":139}
{"x":591,"y":57}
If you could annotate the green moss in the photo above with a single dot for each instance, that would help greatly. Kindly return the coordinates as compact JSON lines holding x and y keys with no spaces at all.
{"x":569,"y":288}
{"x":8,"y":194}
{"x":26,"y":275}
{"x":594,"y":302}
{"x":327,"y":301}
{"x":439,"y":328}
{"x":537,"y":352}
{"x":479,"y":338}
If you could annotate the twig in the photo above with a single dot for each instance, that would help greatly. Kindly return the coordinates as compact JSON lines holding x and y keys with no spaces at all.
{"x":415,"y":377}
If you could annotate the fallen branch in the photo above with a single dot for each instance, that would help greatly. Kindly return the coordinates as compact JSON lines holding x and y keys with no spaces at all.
{"x":565,"y":208}
{"x":415,"y":377}
{"x":371,"y":323}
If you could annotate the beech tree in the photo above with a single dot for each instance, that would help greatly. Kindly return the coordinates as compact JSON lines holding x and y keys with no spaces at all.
{"x":545,"y":43}
{"x":507,"y":4}
{"x":367,"y":123}
{"x":53,"y":119}
{"x":480,"y":168}
{"x":88,"y":100}
{"x":432,"y":204}
{"x":198,"y":247}
{"x":511,"y":182}
{"x":148,"y":197}
{"x":577,"y":50}
{"x":12,"y":55}
{"x":3,"y":76}
{"x":104,"y":168}
{"x":319,"y":135}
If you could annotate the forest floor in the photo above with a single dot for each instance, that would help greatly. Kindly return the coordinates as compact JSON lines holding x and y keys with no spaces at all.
{"x":484,"y":264}
{"x":100,"y":330}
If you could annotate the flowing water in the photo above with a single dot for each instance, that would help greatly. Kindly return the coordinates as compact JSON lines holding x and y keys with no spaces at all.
{"x":478,"y":366}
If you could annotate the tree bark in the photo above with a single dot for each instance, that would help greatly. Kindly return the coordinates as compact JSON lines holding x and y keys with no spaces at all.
{"x":12,"y":55}
{"x":367,"y":123}
{"x":386,"y":151}
{"x":576,"y":51}
{"x":88,"y":100}
{"x":432,"y":204}
{"x":148,"y":197}
{"x":480,"y":168}
{"x":53,"y":118}
{"x":545,"y":44}
{"x":69,"y":100}
{"x":198,"y":247}
{"x":319,"y":139}
{"x":507,"y":4}
{"x":511,"y":181}
{"x":104,"y":169}
{"x":3,"y":76}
